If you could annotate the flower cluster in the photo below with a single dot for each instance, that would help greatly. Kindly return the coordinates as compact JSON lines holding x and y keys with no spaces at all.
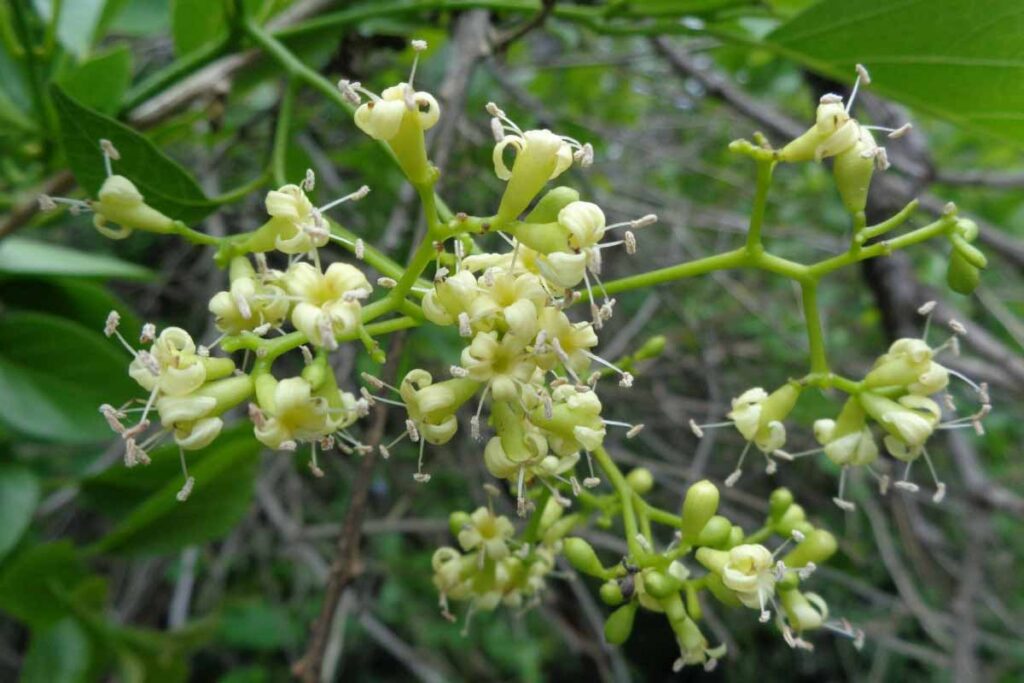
{"x":493,"y":567}
{"x":528,"y":372}
{"x":739,"y":571}
{"x":188,"y":390}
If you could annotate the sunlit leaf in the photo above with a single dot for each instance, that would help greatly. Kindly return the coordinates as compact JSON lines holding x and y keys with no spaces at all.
{"x":963,"y":61}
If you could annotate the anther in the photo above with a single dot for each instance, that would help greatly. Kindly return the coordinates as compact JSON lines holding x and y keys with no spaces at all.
{"x":186,"y":490}
{"x":387,"y":282}
{"x":309,"y":182}
{"x":46,"y":203}
{"x":465,"y":329}
{"x":113,"y":320}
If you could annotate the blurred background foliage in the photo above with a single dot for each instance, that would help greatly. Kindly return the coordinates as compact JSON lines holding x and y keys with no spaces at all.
{"x":102,"y":573}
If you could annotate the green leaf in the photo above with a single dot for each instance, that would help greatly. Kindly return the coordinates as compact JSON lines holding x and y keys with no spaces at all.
{"x":19,"y":496}
{"x":194,"y":23}
{"x":101,"y":81}
{"x":962,"y":61}
{"x":259,"y":625}
{"x":163,"y":182}
{"x":83,"y":301}
{"x":225,"y":473}
{"x":57,"y":654}
{"x":23,"y":256}
{"x":30,"y":586}
{"x":78,"y":23}
{"x":54,"y":375}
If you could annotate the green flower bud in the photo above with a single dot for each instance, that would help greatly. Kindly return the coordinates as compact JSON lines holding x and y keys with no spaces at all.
{"x":961,"y":276}
{"x":735,"y":536}
{"x":699,"y":506}
{"x":659,"y":585}
{"x":791,"y":518}
{"x":554,"y":200}
{"x":582,"y":557}
{"x":457,"y":521}
{"x":715,"y":533}
{"x":619,"y":625}
{"x":817,"y":547}
{"x":611,"y":593}
{"x":652,"y":348}
{"x":640,"y":480}
{"x":779,"y":502}
{"x":120,"y":202}
{"x":559,"y":529}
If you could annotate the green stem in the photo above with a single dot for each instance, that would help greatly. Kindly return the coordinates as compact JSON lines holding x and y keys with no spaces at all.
{"x":940,"y":226}
{"x":812,"y":318}
{"x":724,"y":261}
{"x":764,"y":181}
{"x":625,"y":494}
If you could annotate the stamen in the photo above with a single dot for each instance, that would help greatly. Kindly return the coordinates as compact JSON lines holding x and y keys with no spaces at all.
{"x":418,"y":46}
{"x":731,"y":480}
{"x":309,"y":182}
{"x":862,"y":75}
{"x":907,"y":485}
{"x":940,"y":488}
{"x":109,"y":153}
{"x":352,"y":196}
{"x":841,"y":502}
{"x":882,"y":479}
{"x":698,"y":430}
{"x":190,"y":482}
{"x":314,"y":467}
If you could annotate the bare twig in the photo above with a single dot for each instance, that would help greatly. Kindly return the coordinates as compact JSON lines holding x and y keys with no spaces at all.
{"x":346,"y":565}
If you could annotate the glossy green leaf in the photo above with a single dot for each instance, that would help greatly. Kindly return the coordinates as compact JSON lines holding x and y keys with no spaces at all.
{"x":54,"y":375}
{"x":163,"y":182}
{"x":19,"y":495}
{"x":194,"y":23}
{"x":57,"y":654}
{"x":225,"y":473}
{"x":101,"y":81}
{"x":30,"y":583}
{"x":23,"y":256}
{"x":963,"y":61}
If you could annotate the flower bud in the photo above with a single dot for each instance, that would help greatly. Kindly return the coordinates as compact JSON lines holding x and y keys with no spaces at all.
{"x":715,"y":533}
{"x":793,"y":518}
{"x":659,"y":585}
{"x":640,"y":480}
{"x":817,"y":547}
{"x":611,"y":593}
{"x":619,"y":625}
{"x":779,"y":502}
{"x":582,"y":557}
{"x":120,"y":202}
{"x":961,"y":275}
{"x":457,"y":521}
{"x":554,"y":200}
{"x":699,"y":506}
